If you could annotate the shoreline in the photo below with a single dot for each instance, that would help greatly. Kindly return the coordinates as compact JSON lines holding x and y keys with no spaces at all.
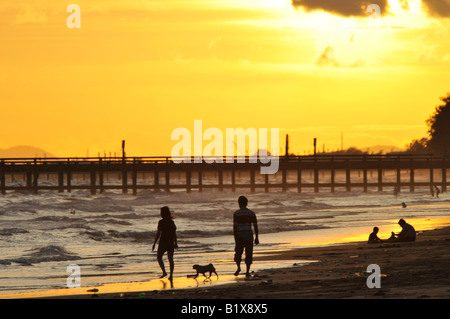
{"x":409,"y":270}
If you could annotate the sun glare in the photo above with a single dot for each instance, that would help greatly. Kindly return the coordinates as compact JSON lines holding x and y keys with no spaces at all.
{"x":396,"y":7}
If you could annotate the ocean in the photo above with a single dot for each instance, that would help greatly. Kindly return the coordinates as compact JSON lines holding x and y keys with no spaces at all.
{"x":110,"y":235}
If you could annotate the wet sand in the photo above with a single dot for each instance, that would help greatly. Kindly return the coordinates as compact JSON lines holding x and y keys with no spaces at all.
{"x":409,"y":270}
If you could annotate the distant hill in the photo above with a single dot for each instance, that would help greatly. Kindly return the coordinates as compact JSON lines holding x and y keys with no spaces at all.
{"x":24,"y":151}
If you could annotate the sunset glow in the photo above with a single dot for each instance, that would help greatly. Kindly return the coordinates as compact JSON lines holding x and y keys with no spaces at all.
{"x":137,"y":70}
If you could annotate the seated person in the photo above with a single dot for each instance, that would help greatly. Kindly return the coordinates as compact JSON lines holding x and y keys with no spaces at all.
{"x":408,"y":232}
{"x":373,"y":237}
{"x":392,"y":238}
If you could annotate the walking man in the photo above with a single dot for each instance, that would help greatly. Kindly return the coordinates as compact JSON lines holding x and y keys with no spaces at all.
{"x":243,"y":234}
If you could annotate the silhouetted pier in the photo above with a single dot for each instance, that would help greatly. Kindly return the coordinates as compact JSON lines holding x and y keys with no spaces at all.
{"x":315,"y":173}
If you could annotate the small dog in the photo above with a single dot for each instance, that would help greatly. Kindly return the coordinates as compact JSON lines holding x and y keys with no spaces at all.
{"x":204,"y":269}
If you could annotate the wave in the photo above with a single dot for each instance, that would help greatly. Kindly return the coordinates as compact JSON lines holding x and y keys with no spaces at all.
{"x":61,"y":222}
{"x":58,"y":219}
{"x":314,"y":205}
{"x":293,"y":226}
{"x":202,"y":233}
{"x":114,"y":234}
{"x":43,"y":254}
{"x":123,"y":216}
{"x":12,"y":231}
{"x":54,"y":202}
{"x":269,"y":203}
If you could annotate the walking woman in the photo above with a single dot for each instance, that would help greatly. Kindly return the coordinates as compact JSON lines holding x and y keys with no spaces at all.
{"x":166,"y":233}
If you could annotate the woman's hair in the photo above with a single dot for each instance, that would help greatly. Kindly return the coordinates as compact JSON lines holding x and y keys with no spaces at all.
{"x":165,"y":213}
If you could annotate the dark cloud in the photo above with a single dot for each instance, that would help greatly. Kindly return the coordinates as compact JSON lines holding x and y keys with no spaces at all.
{"x":346,"y":8}
{"x":438,"y":8}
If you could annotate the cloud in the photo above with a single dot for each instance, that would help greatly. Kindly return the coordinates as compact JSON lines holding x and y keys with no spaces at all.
{"x":179,"y":59}
{"x":327,"y":58}
{"x":213,"y":42}
{"x":28,"y":14}
{"x":346,"y":8}
{"x":438,"y":8}
{"x":354,"y":129}
{"x":354,"y":8}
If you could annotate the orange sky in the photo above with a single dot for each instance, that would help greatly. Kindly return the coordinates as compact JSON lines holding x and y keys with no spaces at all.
{"x":137,"y":70}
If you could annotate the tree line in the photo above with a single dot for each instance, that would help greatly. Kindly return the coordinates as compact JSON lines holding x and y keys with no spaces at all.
{"x":438,"y":140}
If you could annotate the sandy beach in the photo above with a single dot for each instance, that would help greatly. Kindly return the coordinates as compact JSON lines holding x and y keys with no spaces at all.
{"x":408,"y":270}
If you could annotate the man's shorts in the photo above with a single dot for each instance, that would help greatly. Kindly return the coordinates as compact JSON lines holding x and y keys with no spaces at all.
{"x":241,"y":244}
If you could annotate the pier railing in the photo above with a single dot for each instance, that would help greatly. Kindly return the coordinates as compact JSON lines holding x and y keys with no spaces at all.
{"x":169,"y":159}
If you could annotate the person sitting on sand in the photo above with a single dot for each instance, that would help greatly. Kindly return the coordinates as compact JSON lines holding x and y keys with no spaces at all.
{"x":392,"y":238}
{"x":373,"y":237}
{"x":168,"y":241}
{"x":408,"y":232}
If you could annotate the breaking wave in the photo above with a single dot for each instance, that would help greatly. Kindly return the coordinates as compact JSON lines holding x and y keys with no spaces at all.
{"x":43,"y":254}
{"x":12,"y":231}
